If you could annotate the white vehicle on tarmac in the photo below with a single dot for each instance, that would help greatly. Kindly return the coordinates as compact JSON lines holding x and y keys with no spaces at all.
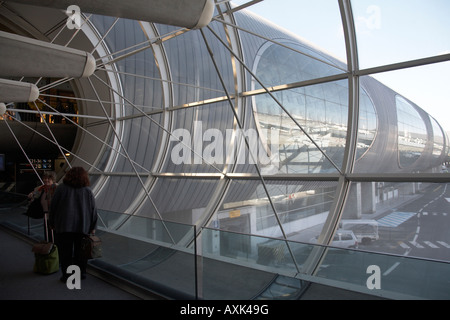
{"x":364,"y":230}
{"x":342,"y":239}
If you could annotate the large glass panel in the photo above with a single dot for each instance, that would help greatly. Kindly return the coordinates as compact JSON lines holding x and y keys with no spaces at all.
{"x":412,"y":132}
{"x":425,"y":86}
{"x":201,"y":139}
{"x":392,"y":277}
{"x":141,"y":138}
{"x":301,"y":208}
{"x":192,"y":70}
{"x":118,"y":192}
{"x":309,"y":121}
{"x":258,"y":266}
{"x":407,"y":137}
{"x":311,"y":139}
{"x":438,"y":139}
{"x":180,"y":200}
{"x":292,"y":62}
{"x":396,"y":31}
{"x":238,"y":266}
{"x":409,"y":218}
{"x":150,"y":253}
{"x":139,"y":71}
{"x":246,"y":209}
{"x":367,"y":126}
{"x":307,"y":20}
{"x":298,"y":129}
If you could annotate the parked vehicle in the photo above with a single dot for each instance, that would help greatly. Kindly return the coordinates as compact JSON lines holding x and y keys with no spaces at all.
{"x":364,"y":230}
{"x":342,"y":239}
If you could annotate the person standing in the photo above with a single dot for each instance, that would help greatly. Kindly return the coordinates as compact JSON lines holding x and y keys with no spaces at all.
{"x":73,"y":215}
{"x":45,"y":192}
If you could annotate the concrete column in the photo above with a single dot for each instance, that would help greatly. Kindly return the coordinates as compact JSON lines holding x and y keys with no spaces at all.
{"x":368,"y":197}
{"x":353,"y":207}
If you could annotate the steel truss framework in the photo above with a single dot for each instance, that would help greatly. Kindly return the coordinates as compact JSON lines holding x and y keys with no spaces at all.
{"x":111,"y":102}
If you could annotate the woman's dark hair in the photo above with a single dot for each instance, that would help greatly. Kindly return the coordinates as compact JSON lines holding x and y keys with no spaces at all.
{"x":77,"y":177}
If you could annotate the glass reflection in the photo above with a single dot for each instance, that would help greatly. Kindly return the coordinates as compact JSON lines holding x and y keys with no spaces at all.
{"x":412,"y":217}
{"x":412,"y":132}
{"x":321,"y":110}
{"x":367,"y":126}
{"x":301,"y":208}
{"x":438,"y":136}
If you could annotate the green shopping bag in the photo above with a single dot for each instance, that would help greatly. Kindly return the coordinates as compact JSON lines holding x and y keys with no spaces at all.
{"x":46,"y":258}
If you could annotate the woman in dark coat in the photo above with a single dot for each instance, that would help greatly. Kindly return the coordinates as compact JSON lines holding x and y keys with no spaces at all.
{"x":73,"y":215}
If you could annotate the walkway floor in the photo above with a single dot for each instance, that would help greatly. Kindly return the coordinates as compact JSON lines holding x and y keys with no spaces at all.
{"x":19,"y":282}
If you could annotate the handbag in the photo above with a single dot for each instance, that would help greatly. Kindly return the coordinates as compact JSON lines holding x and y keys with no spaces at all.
{"x":42,"y":248}
{"x":35,"y":209}
{"x":91,"y":247}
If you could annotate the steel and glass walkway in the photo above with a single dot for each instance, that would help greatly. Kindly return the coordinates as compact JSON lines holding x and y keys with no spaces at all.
{"x":166,"y":262}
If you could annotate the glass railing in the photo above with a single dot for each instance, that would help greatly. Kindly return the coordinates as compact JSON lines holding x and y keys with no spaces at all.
{"x":154,"y":253}
{"x":295,"y":264}
{"x":390,"y":276}
{"x":180,"y":262}
{"x":248,"y":267}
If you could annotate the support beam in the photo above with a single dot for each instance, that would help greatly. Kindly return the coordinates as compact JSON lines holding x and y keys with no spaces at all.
{"x":16,"y":91}
{"x":26,"y":57}
{"x":191,"y":14}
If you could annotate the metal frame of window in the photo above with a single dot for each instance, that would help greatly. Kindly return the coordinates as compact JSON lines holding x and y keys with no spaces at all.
{"x":148,"y":177}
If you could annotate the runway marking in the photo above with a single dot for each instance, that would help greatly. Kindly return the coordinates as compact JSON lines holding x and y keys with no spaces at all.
{"x":417,"y":245}
{"x":395,"y":265}
{"x":395,"y":219}
{"x":404,"y":245}
{"x":442,"y":243}
{"x":430,"y":244}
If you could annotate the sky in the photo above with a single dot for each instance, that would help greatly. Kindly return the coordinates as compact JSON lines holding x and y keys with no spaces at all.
{"x":388,"y":31}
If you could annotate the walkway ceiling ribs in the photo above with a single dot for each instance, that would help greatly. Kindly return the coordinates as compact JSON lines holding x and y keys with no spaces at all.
{"x":42,"y":59}
{"x":191,"y":14}
{"x":37,"y":59}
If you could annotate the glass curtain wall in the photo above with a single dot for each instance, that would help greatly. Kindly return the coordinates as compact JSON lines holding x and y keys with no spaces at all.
{"x":246,"y":127}
{"x":405,"y":194}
